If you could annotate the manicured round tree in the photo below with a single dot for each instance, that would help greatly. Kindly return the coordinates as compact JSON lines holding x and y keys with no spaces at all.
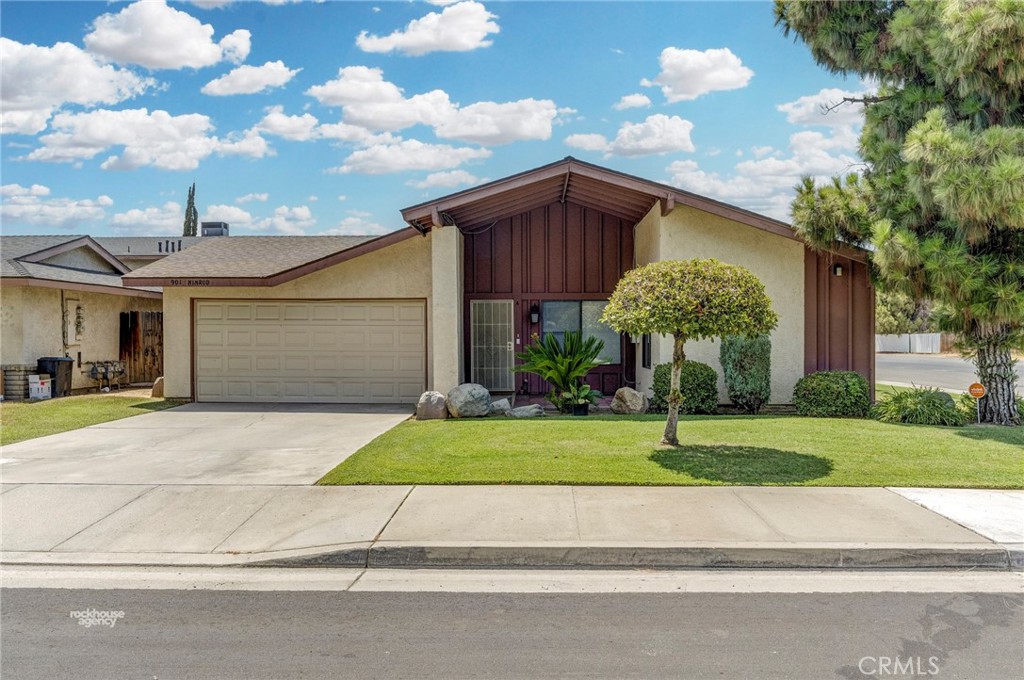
{"x":689,"y":300}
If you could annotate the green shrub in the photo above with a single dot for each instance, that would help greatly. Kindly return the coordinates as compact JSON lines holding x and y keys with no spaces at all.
{"x":969,"y":406}
{"x":698,"y":383}
{"x":563,"y":364}
{"x":747,"y":369}
{"x":920,"y":406}
{"x":832,"y":394}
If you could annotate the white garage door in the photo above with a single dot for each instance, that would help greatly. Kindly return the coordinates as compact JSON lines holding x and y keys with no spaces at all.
{"x":330,"y":351}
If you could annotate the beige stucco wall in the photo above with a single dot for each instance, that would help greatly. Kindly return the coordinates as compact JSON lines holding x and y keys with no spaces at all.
{"x":81,"y":258}
{"x":779,"y":263}
{"x":399,"y":271}
{"x":446,"y":308}
{"x":32,"y":319}
{"x":646,"y":249}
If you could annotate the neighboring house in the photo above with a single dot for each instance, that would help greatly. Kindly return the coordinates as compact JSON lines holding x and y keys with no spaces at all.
{"x":62,"y":296}
{"x":138,"y":251}
{"x":456,"y":294}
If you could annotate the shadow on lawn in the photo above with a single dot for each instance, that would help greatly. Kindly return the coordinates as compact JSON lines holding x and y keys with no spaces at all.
{"x":743,"y":464}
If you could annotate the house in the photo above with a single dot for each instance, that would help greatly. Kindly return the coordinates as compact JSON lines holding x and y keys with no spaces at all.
{"x":138,"y":251}
{"x":62,"y":296}
{"x":454,"y":295}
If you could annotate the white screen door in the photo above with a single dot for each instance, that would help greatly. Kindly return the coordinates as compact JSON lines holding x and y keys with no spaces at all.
{"x":491,"y":345}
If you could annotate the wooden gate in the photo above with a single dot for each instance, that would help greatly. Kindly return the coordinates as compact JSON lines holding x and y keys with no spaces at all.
{"x":142,"y":345}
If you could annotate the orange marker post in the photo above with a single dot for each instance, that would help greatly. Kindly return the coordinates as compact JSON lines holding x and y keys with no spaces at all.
{"x":977,"y":390}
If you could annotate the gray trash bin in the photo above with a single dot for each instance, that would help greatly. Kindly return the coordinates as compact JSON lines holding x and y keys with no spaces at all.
{"x":59,"y":369}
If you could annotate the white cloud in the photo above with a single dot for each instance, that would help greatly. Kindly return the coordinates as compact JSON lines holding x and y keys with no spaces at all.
{"x":312,"y":199}
{"x":297,"y":128}
{"x":765,"y":185}
{"x":249,"y":198}
{"x":492,"y":123}
{"x":151,"y":34}
{"x":409,"y":154}
{"x":633,"y":101}
{"x":287,"y":220}
{"x":688,"y":74}
{"x":11,"y":190}
{"x":157,"y":221}
{"x":446,"y":180}
{"x":358,"y":224}
{"x":155,"y":139}
{"x":588,"y":142}
{"x":28,"y":206}
{"x":211,"y":4}
{"x":34,"y":81}
{"x":658,"y":134}
{"x":342,"y":197}
{"x":251,"y":79}
{"x":371,"y":103}
{"x":232,"y":214}
{"x":810,"y":109}
{"x":460,"y":27}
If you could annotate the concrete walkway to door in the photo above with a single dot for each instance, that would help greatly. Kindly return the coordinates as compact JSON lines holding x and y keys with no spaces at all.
{"x":223,"y":444}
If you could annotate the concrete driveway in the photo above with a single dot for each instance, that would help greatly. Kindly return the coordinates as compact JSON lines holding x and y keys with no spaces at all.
{"x":239,"y":444}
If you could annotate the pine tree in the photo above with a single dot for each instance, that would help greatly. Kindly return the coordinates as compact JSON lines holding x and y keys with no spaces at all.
{"x":191,"y":214}
{"x":941,"y":201}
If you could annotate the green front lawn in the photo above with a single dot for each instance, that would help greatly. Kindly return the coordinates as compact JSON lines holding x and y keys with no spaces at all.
{"x":30,"y":419}
{"x":770,"y":450}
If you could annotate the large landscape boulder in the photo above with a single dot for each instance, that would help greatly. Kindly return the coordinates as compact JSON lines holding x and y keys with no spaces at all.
{"x":629,"y":402}
{"x":431,"y":406}
{"x":501,"y":406}
{"x":469,"y":400}
{"x":531,"y":411}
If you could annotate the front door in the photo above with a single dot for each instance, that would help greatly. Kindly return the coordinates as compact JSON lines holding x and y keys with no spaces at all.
{"x":492,"y":350}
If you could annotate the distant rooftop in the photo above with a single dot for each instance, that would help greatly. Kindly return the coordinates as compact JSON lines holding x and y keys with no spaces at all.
{"x":146,"y":246}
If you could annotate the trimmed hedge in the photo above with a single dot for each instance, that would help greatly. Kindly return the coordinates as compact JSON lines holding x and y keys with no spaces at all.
{"x":747,"y":369}
{"x":920,"y":406}
{"x":832,"y":394}
{"x":698,"y":383}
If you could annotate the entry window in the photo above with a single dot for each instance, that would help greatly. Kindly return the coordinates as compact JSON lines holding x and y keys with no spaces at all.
{"x":582,"y":315}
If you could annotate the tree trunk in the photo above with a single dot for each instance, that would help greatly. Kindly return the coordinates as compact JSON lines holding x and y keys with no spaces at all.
{"x":996,"y":372}
{"x":674,"y":396}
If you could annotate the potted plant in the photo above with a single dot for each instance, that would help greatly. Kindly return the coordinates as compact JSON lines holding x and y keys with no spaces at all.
{"x":580,"y":397}
{"x":562,"y":363}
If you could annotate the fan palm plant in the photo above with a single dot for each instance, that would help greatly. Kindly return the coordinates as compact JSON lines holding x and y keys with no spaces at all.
{"x":562,"y":363}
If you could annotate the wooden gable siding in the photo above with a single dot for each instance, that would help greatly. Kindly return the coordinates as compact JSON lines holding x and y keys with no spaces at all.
{"x":557,"y":252}
{"x":839,"y":322}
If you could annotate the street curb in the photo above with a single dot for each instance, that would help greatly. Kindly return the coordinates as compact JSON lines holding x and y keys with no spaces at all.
{"x":693,"y":557}
{"x":567,"y":556}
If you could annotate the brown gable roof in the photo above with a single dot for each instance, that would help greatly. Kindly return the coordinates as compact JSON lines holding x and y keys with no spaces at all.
{"x":575,"y":181}
{"x":258,"y":260}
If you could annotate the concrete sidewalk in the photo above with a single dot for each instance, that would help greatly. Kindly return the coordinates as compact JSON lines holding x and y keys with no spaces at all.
{"x":506,"y":526}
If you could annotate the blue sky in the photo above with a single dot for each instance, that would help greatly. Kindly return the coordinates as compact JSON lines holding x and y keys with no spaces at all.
{"x":329,"y":117}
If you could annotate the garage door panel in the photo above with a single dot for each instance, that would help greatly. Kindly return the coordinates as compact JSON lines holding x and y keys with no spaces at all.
{"x":316,"y":351}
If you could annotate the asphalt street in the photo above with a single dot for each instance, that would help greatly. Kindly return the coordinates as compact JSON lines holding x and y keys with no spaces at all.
{"x":245,"y":634}
{"x":926,"y":370}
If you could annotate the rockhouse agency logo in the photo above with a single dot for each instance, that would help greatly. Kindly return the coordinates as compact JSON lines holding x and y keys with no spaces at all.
{"x":95,"y":617}
{"x":879,"y":666}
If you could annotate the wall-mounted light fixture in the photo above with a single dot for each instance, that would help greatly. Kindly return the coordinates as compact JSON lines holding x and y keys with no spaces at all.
{"x":534,"y":314}
{"x":837,"y":269}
